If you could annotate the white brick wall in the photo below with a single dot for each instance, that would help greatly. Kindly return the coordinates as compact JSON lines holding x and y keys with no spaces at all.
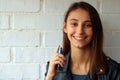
{"x":21,"y":71}
{"x":31,"y":29}
{"x":19,"y":38}
{"x":39,"y":22}
{"x":4,"y":22}
{"x":4,"y":55}
{"x":19,"y":5}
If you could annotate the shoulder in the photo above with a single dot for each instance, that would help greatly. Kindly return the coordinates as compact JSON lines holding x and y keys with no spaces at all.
{"x":114,"y":69}
{"x":113,"y":64}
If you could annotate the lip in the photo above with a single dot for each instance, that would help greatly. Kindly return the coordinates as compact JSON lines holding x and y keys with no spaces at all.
{"x":79,"y":38}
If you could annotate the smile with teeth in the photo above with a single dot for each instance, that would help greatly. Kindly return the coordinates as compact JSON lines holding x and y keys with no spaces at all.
{"x":79,"y":37}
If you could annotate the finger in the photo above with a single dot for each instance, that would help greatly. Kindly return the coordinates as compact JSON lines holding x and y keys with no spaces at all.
{"x":57,"y":48}
{"x":57,"y":60}
{"x":62,"y":57}
{"x":60,"y":63}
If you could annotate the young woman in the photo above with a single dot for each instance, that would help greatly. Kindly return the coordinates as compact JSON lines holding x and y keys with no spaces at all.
{"x":83,"y":57}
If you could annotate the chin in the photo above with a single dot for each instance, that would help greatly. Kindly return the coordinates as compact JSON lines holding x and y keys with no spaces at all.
{"x":81,"y":46}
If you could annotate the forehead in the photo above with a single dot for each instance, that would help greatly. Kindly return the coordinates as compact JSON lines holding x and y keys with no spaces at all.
{"x":79,"y":14}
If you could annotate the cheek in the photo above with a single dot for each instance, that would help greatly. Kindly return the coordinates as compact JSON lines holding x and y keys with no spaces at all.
{"x":71,"y":31}
{"x":90,"y":33}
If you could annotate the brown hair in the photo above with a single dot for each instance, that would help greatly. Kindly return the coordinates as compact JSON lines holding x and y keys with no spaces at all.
{"x":97,"y":57}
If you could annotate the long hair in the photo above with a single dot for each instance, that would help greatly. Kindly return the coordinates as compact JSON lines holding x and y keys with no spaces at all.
{"x":97,"y":58}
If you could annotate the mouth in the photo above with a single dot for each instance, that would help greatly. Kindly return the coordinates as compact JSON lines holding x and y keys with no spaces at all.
{"x":79,"y":38}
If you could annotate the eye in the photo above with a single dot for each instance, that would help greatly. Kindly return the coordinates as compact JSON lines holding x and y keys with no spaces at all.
{"x":88,"y":25}
{"x":74,"y":24}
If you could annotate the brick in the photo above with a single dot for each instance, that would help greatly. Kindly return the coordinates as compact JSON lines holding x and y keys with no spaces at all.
{"x":20,"y":5}
{"x":60,"y":6}
{"x":113,"y":52}
{"x":10,"y":78}
{"x":110,"y":6}
{"x":4,"y":22}
{"x":42,"y":22}
{"x":53,"y":38}
{"x":93,"y":3}
{"x":29,"y":54}
{"x":112,"y":39}
{"x":111,"y":21}
{"x":4,"y":54}
{"x":19,"y":71}
{"x":18,"y":79}
{"x":19,"y":38}
{"x":30,"y":79}
{"x":49,"y":53}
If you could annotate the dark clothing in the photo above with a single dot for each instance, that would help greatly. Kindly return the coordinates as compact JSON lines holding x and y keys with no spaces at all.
{"x":112,"y":73}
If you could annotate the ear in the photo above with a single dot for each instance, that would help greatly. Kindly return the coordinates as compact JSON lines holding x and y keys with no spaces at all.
{"x":64,"y":27}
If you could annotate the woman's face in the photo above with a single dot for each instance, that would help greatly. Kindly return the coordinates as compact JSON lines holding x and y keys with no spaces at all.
{"x":79,"y":28}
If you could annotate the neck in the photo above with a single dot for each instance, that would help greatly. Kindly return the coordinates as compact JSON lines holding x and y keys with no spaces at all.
{"x":80,"y":60}
{"x":80,"y":55}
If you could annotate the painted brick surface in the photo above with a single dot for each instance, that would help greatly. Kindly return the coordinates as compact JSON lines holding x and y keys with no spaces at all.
{"x":19,"y":38}
{"x":4,"y":22}
{"x":54,"y":6}
{"x":42,"y":22}
{"x":4,"y":55}
{"x":29,"y":55}
{"x":49,"y":53}
{"x":112,"y":39}
{"x":30,"y":30}
{"x":19,"y":5}
{"x":53,"y":38}
{"x":111,"y":21}
{"x":110,"y":6}
{"x":20,"y":71}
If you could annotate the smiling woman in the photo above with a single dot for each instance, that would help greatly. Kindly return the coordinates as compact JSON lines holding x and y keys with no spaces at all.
{"x":79,"y":28}
{"x":83,"y":57}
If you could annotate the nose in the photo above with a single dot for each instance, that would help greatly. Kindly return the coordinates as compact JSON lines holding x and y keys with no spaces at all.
{"x":80,"y":30}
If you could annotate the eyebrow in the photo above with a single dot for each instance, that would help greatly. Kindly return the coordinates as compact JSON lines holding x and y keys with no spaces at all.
{"x":88,"y":21}
{"x":73,"y":20}
{"x":77,"y":20}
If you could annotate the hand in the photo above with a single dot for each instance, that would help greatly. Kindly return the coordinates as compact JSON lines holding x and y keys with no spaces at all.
{"x":57,"y":59}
